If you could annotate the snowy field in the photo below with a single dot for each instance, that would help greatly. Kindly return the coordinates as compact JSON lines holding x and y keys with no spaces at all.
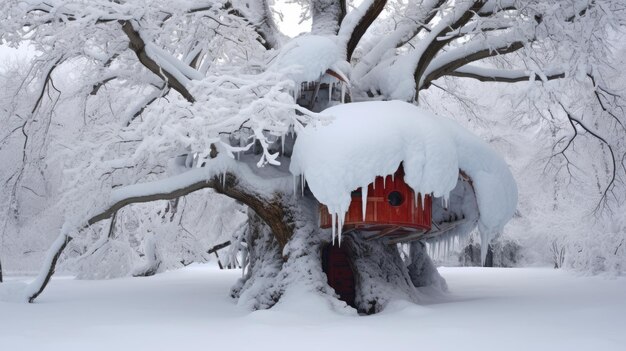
{"x":487,"y":309}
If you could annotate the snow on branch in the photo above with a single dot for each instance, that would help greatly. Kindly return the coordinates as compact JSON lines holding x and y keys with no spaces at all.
{"x":356,"y":23}
{"x":259,"y":14}
{"x":492,"y":7}
{"x":327,"y":16}
{"x":223,"y":174}
{"x":472,"y":51}
{"x":173,"y":71}
{"x":439,"y":37}
{"x":484,"y":74}
{"x":417,"y":18}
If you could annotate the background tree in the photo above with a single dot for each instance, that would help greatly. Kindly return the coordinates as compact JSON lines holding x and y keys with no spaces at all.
{"x":135,"y":87}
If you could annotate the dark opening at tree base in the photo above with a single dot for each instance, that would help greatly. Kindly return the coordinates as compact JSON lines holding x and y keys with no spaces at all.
{"x":338,"y":268}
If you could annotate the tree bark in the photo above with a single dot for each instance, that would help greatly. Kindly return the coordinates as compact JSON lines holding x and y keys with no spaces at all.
{"x":327,"y":16}
{"x":42,"y":280}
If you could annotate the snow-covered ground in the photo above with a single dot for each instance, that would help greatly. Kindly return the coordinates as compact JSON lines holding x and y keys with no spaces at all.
{"x":189,"y":309}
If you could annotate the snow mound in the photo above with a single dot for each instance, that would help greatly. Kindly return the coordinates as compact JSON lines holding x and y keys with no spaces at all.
{"x":13,"y":291}
{"x":370,"y":139}
{"x":311,"y":56}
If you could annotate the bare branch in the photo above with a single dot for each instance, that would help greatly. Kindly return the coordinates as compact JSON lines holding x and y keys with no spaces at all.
{"x":598,"y":91}
{"x":609,"y":186}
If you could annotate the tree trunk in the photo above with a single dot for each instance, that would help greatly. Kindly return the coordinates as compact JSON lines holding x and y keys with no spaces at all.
{"x":489,"y":257}
{"x":381,"y":275}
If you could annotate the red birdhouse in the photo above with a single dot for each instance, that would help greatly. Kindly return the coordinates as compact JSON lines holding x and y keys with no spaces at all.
{"x":392,"y":210}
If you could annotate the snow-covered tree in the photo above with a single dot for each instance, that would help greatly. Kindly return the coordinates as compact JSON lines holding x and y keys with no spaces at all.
{"x":162,"y":99}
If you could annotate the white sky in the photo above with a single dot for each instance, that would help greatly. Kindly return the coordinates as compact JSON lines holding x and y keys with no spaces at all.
{"x":291,"y":17}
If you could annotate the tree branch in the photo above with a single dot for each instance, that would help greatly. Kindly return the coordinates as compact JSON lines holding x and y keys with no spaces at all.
{"x":358,"y":21}
{"x":138,"y":45}
{"x":448,"y":66}
{"x":403,"y":34}
{"x":608,"y":187}
{"x":434,"y":42}
{"x":271,"y":210}
{"x":264,"y":26}
{"x":497,"y":75}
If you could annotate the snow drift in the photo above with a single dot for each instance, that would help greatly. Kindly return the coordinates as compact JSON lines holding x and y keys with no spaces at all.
{"x":370,"y":139}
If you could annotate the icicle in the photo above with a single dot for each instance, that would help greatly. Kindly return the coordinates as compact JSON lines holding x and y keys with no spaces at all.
{"x":333,"y":224}
{"x":224,"y":179}
{"x":302,"y":180}
{"x":438,"y":248}
{"x":282,"y":143}
{"x":330,"y":92}
{"x":385,"y":182}
{"x":343,"y":92}
{"x":340,"y":226}
{"x":295,"y":185}
{"x":364,"y":200}
{"x":484,"y":246}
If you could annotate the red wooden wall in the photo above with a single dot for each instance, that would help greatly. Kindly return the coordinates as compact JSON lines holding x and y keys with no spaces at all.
{"x":380,"y":212}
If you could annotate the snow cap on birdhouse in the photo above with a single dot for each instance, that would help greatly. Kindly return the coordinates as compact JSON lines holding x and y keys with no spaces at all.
{"x":366,"y":140}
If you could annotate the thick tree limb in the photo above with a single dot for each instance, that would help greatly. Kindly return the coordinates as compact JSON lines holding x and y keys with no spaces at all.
{"x":50,"y":264}
{"x":499,"y":75}
{"x":358,"y":21}
{"x":424,"y":13}
{"x":450,"y":66}
{"x":435,"y":44}
{"x":138,"y":45}
{"x":429,"y":9}
{"x":271,"y":210}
